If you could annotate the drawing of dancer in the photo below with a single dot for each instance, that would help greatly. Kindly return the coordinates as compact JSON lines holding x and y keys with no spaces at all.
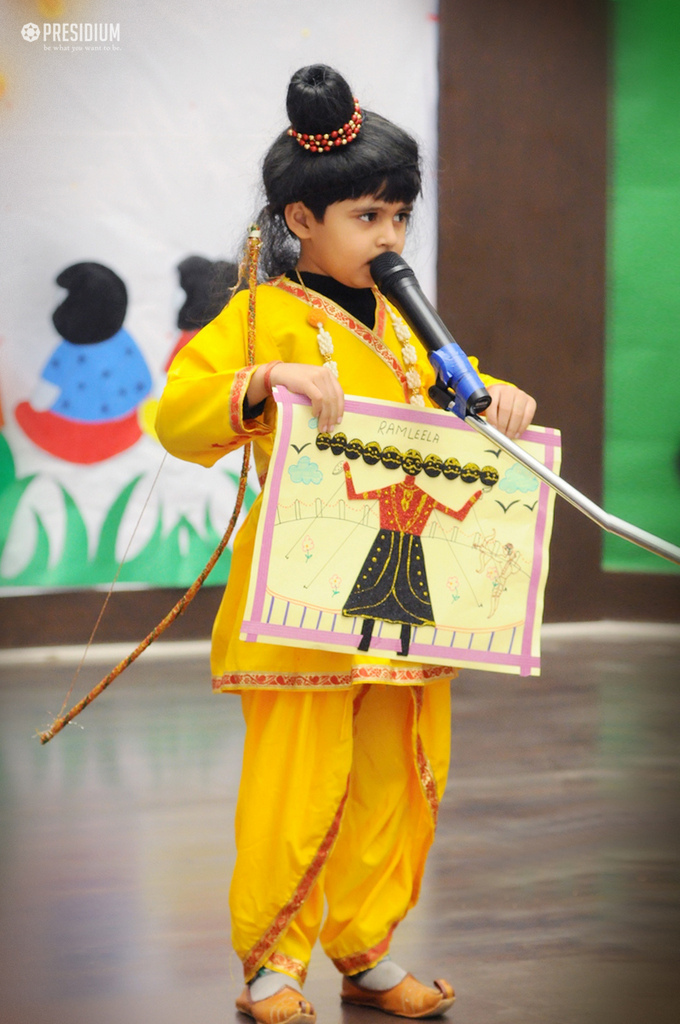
{"x":392,"y":584}
{"x":499,"y":579}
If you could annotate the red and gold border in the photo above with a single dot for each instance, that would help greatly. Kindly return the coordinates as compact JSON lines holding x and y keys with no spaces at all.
{"x":261,"y":951}
{"x":428,"y":783}
{"x":236,"y":396}
{"x":321,"y":681}
{"x":373,"y":339}
{"x":288,"y":965}
{"x":367,"y":958}
{"x":238,"y":393}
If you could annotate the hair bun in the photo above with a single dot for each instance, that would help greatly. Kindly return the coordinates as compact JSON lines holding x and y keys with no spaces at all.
{"x":319,"y":99}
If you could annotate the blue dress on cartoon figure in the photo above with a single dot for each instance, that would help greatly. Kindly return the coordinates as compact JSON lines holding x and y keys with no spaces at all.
{"x":98,"y":382}
{"x":95,"y":379}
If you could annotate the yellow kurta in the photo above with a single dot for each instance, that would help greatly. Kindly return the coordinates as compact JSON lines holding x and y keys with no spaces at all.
{"x":340,"y":788}
{"x":200,"y":419}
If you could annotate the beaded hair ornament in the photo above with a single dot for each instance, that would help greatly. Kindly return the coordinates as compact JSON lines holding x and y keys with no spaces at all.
{"x":324,"y":143}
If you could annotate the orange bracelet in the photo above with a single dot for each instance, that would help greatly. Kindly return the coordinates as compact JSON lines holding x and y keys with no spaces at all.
{"x":267,"y":376}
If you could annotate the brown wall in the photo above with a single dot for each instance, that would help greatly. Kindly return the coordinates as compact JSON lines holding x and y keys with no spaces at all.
{"x":523,"y":172}
{"x":69,"y":617}
{"x":521,"y":282}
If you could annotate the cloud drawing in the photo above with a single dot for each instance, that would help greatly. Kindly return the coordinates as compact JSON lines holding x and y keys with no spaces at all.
{"x":518,"y":478}
{"x":305,"y":472}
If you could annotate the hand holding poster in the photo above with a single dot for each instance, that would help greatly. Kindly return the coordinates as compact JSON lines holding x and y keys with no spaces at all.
{"x":403,"y":534}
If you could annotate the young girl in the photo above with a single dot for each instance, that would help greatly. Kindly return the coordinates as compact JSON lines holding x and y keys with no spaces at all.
{"x":346,"y":756}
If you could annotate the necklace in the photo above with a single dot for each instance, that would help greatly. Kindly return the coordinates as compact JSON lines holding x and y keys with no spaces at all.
{"x":408,"y":353}
{"x":317,"y":319}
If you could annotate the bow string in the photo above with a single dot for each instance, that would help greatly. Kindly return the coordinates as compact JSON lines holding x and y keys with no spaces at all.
{"x":248,"y":271}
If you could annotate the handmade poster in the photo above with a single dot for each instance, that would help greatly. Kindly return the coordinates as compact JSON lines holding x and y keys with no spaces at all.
{"x":403,"y":534}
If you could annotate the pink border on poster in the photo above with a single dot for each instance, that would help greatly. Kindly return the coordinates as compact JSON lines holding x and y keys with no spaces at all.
{"x":256,"y":627}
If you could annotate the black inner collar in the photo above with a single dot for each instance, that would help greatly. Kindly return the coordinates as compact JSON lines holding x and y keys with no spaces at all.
{"x":358,"y":302}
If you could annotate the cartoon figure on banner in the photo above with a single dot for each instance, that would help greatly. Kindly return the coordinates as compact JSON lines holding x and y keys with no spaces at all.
{"x":85,"y":407}
{"x":392,"y":584}
{"x":208,"y":286}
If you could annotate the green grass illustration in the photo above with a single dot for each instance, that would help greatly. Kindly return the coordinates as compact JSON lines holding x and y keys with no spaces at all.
{"x":175,"y":559}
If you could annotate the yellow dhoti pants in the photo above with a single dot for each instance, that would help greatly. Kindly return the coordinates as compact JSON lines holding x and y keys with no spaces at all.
{"x":338,"y":799}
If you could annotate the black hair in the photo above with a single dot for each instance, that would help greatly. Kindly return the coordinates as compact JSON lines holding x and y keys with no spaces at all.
{"x":208,"y":288}
{"x":382,"y":161}
{"x":95,"y":307}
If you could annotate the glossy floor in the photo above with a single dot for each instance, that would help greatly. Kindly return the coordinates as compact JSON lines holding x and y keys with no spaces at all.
{"x":552,"y":894}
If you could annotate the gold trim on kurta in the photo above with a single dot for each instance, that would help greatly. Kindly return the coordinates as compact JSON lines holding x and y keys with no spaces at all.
{"x":261,"y":951}
{"x":237,"y":394}
{"x":373,"y":339}
{"x":358,"y":674}
{"x":428,"y":783}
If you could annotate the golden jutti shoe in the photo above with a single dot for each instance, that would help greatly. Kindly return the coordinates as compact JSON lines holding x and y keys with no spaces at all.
{"x":285,"y":1007}
{"x":407,"y":999}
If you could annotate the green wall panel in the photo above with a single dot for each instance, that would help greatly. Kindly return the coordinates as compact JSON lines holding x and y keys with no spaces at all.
{"x":642,"y":426}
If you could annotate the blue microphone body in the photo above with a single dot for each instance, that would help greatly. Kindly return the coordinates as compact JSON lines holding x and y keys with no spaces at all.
{"x":459,"y":389}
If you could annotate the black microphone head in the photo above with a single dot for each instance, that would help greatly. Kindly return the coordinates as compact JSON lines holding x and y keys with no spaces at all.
{"x":387,"y":268}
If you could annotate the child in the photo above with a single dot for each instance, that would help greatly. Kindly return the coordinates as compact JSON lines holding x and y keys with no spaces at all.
{"x":346,"y":756}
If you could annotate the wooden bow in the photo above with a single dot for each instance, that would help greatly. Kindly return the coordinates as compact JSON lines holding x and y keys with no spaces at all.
{"x":61,"y":720}
{"x":248,"y":270}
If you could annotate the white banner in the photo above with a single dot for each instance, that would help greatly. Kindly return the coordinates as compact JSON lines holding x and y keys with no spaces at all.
{"x":132,"y":139}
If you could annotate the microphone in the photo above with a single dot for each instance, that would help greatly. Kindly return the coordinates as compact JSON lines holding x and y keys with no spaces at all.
{"x":398,"y":283}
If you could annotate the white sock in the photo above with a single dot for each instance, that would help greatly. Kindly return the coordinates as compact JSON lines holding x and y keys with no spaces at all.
{"x":266,"y":983}
{"x":384,"y":975}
